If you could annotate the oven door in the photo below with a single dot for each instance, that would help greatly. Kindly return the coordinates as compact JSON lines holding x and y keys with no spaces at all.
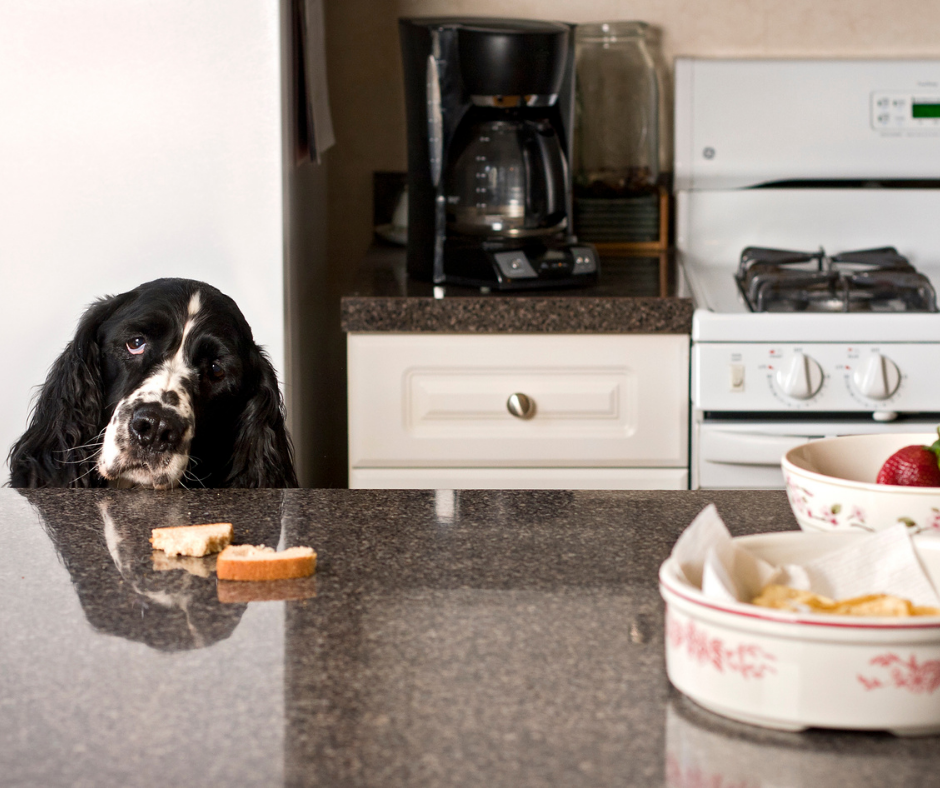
{"x":742,"y":454}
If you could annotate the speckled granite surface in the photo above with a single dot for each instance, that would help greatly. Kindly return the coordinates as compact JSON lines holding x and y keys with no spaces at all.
{"x":625,"y":300}
{"x":499,"y":638}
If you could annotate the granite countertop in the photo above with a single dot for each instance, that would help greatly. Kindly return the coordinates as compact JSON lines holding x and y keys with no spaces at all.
{"x":499,"y":638}
{"x":626,"y":299}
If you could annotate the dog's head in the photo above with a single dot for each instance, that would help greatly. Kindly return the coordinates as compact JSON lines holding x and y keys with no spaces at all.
{"x":176,"y":352}
{"x":160,"y":385}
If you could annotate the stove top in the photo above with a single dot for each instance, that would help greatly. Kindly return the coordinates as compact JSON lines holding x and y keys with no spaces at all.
{"x":849,"y":296}
{"x":866,"y":280}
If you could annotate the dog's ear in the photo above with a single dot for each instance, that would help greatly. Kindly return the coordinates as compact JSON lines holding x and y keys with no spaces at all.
{"x":262,"y":455}
{"x":60,"y":445}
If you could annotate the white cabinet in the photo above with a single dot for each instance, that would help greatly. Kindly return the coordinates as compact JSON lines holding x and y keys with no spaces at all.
{"x":433,"y":411}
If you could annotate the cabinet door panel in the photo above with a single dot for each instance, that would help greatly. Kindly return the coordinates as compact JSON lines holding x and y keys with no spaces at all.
{"x":441,"y":400}
{"x":563,"y":398}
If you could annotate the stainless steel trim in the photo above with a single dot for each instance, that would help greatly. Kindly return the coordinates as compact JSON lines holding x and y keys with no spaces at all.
{"x":435,"y":118}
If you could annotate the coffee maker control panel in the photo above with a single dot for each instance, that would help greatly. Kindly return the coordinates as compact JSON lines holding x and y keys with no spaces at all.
{"x":515,"y":264}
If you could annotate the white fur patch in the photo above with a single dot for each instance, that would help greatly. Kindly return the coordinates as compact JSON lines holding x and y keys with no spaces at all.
{"x":195,"y":304}
{"x":116,"y":460}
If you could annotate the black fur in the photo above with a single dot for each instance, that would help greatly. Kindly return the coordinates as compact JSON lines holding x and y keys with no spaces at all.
{"x":239,"y":438}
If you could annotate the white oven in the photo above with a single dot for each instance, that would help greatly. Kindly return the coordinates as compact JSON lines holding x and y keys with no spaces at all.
{"x":808,"y":233}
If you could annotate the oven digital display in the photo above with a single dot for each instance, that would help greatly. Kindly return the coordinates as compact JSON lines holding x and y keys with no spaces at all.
{"x":924,"y":110}
{"x":894,"y":111}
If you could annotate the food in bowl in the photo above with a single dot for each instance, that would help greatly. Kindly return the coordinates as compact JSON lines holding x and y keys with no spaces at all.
{"x":912,"y":466}
{"x":792,"y":670}
{"x":832,"y":485}
{"x":797,"y":600}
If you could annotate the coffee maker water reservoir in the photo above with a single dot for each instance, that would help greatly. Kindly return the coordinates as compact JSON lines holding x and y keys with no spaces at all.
{"x":489,"y":105}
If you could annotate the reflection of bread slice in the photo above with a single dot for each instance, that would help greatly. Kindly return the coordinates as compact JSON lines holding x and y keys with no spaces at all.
{"x":246,"y":562}
{"x":195,"y":540}
{"x":271,"y":591}
{"x":201,"y":567}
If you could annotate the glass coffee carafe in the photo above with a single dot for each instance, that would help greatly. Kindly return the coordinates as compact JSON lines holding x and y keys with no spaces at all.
{"x":507,"y":178}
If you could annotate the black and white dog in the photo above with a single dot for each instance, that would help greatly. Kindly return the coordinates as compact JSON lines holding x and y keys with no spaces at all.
{"x":161,"y":386}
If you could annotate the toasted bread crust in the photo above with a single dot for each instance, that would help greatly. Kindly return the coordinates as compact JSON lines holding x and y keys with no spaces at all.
{"x":246,"y":562}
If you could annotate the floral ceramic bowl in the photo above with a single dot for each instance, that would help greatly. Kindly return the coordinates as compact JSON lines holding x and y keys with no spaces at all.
{"x":831,"y":485}
{"x":793,"y":671}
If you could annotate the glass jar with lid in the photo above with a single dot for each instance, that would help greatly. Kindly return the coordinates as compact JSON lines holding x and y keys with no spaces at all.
{"x":617,"y":151}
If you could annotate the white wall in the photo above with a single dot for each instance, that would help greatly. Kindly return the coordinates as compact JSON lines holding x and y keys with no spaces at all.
{"x":137,"y":140}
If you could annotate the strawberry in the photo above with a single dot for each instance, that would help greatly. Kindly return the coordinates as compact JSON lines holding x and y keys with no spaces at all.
{"x":913,"y":466}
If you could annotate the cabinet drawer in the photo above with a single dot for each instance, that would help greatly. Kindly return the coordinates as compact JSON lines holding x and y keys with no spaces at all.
{"x":441,"y":400}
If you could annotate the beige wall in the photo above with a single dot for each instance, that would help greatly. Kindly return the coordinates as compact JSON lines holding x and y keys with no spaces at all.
{"x":368,"y":105}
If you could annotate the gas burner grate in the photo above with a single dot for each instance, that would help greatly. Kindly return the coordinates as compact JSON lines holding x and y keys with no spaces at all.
{"x":866,"y":280}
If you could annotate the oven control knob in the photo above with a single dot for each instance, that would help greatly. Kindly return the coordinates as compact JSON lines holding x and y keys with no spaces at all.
{"x":877,"y":377}
{"x":800,"y":376}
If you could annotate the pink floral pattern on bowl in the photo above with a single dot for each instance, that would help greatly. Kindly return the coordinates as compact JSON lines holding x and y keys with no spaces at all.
{"x":750,"y":660}
{"x":835,"y":515}
{"x":907,"y":674}
{"x":830,"y":514}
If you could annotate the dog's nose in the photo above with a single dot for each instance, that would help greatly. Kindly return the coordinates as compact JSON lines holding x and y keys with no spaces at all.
{"x":157,"y":428}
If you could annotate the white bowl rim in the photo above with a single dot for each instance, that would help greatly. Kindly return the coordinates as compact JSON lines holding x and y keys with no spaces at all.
{"x":789,"y":465}
{"x":668,"y":579}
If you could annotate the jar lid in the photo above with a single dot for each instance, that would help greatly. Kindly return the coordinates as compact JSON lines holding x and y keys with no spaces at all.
{"x":611,"y":31}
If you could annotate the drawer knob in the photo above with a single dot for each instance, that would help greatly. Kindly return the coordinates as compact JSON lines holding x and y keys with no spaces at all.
{"x":521,"y":406}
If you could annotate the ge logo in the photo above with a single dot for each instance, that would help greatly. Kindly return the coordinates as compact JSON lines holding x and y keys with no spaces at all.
{"x":709,"y":153}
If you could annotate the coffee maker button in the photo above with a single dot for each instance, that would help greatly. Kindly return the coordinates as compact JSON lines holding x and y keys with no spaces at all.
{"x":584,"y":260}
{"x":514,"y":265}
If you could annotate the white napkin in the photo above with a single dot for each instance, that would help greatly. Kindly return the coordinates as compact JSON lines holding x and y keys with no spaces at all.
{"x":884,"y":562}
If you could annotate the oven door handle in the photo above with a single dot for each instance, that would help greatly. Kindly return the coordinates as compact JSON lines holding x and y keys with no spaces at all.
{"x":740,"y":448}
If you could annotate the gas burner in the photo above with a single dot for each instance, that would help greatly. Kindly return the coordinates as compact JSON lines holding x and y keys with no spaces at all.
{"x":867,"y":280}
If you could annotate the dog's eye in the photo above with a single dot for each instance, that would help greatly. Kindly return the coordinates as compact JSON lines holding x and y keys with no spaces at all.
{"x":136,"y":346}
{"x":215,"y":371}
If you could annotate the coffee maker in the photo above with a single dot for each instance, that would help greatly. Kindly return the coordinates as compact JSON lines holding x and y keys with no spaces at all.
{"x":489,"y":105}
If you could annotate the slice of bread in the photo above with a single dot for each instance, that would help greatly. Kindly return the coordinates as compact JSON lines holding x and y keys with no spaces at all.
{"x":194,"y":540}
{"x":247,"y":562}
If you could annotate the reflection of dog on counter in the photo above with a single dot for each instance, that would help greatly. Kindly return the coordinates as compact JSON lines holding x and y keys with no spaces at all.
{"x":127,"y":589}
{"x":161,"y":386}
